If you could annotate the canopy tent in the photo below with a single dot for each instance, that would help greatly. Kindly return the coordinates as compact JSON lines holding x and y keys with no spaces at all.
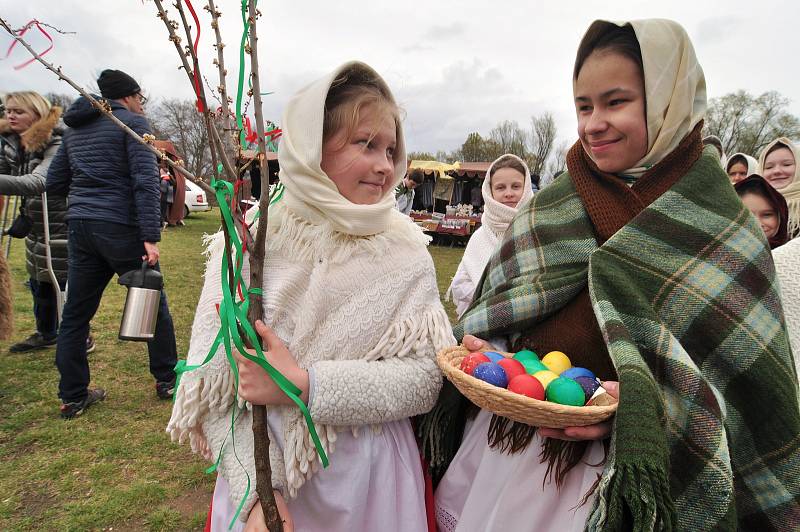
{"x":449,"y":184}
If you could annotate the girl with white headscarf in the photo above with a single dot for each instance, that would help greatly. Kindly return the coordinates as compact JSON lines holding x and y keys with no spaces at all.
{"x":641,"y":264}
{"x":780,"y":167}
{"x":497,"y":214}
{"x":351,"y":298}
{"x":740,"y":166}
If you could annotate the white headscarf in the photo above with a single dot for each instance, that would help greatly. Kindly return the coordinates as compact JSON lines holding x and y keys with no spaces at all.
{"x":310,"y":193}
{"x":792,"y":191}
{"x":674,"y":86}
{"x":494,"y":222}
{"x":750,"y":161}
{"x":496,"y":216}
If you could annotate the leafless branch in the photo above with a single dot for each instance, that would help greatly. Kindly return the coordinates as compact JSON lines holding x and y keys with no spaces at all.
{"x":104,"y":108}
{"x":255,"y":311}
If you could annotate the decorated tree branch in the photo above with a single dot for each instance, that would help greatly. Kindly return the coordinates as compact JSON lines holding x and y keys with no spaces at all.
{"x":260,"y":434}
{"x":257,"y":249}
{"x":241,"y":306}
{"x":104,"y":108}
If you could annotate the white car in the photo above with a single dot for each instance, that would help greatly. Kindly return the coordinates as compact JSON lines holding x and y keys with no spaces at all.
{"x":194,"y":199}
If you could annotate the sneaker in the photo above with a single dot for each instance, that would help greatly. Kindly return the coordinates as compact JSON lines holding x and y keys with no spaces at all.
{"x":71,"y":410}
{"x":32,"y":343}
{"x":90,"y":344}
{"x":165,"y":389}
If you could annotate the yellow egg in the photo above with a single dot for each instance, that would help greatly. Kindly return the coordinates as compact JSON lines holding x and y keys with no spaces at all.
{"x":557,"y":362}
{"x":545,"y":377}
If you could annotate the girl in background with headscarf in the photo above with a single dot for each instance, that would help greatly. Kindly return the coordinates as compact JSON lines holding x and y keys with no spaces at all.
{"x":780,"y":168}
{"x":767,"y":206}
{"x":641,"y":264}
{"x":739,"y":166}
{"x":506,"y":187}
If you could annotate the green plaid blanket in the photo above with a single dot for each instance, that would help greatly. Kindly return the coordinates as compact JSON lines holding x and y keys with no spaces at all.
{"x":707,"y":435}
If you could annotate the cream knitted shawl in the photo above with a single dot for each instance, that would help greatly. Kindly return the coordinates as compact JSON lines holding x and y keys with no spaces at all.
{"x":787,"y":266}
{"x":362,"y":312}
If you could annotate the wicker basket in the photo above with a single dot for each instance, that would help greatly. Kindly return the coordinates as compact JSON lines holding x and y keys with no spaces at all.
{"x":515,"y":406}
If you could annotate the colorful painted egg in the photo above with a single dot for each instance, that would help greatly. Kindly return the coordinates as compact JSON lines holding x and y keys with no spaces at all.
{"x":566,"y":392}
{"x":545,"y":377}
{"x":512,"y":368}
{"x":589,"y":386}
{"x":532,"y":366}
{"x":527,"y":385}
{"x":471,"y":361}
{"x":525,"y":354}
{"x":557,"y":362}
{"x":491,"y":373}
{"x":574,"y":373}
{"x":494,"y":356}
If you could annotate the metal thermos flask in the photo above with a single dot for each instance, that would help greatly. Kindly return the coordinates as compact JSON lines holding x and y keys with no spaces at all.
{"x":141,"y":304}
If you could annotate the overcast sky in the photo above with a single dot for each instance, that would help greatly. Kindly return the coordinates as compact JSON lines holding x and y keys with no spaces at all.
{"x":455,"y":66}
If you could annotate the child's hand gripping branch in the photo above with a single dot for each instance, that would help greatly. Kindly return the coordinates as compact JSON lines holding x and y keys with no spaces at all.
{"x":256,"y":386}
{"x":598,"y":431}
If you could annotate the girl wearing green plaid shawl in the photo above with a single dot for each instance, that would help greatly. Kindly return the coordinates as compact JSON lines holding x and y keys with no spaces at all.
{"x":681,"y":283}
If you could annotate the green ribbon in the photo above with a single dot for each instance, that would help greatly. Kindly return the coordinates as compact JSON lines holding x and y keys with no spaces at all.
{"x":240,"y":84}
{"x":233,"y":315}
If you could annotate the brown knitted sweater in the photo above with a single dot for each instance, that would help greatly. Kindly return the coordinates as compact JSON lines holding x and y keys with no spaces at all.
{"x":610,"y":204}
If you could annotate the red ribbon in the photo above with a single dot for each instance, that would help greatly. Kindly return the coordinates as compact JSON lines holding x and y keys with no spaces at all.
{"x":22,"y":32}
{"x":250,"y":135}
{"x":275,"y":134}
{"x":200,"y":108}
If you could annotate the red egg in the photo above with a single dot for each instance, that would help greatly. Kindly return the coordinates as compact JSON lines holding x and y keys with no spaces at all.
{"x":472,"y":361}
{"x":512,"y":368}
{"x":527,"y":385}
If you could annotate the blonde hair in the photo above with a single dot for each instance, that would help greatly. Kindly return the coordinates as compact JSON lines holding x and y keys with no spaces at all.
{"x":30,"y":100}
{"x":351,"y":93}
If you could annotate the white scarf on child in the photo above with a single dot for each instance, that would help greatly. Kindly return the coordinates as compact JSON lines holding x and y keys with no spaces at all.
{"x":674,"y":84}
{"x":330,"y":294}
{"x":314,"y":197}
{"x":749,"y":161}
{"x":494,"y":222}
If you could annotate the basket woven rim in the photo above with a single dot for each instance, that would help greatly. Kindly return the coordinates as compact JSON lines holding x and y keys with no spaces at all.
{"x":515,"y":406}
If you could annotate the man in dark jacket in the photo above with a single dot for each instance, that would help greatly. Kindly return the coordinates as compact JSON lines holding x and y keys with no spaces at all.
{"x":114,"y":221}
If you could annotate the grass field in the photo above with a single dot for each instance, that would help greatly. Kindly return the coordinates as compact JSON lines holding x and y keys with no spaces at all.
{"x":113,"y":468}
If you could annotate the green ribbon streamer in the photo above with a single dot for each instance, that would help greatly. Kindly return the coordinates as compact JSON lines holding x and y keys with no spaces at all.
{"x":240,"y":85}
{"x":232,"y":315}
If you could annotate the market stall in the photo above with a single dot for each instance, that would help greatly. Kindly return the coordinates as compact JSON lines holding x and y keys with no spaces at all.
{"x":446,"y":204}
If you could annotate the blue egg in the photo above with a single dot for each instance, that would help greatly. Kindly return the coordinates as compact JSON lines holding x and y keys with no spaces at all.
{"x":574,"y":373}
{"x":492,"y":373}
{"x":589,"y":386}
{"x":494,"y":356}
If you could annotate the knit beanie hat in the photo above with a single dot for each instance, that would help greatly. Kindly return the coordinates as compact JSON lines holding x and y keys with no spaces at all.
{"x":115,"y":84}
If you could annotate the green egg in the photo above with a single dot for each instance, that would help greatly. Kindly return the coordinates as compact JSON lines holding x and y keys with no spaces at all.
{"x":566,"y":391}
{"x":525,"y":354}
{"x":532,"y":366}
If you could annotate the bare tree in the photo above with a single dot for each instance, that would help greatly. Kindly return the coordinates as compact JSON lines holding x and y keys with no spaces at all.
{"x":61,"y":100}
{"x":557,"y":162}
{"x":509,"y":138}
{"x":421,"y":156}
{"x":178,"y":121}
{"x":543,"y":135}
{"x":746,"y":123}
